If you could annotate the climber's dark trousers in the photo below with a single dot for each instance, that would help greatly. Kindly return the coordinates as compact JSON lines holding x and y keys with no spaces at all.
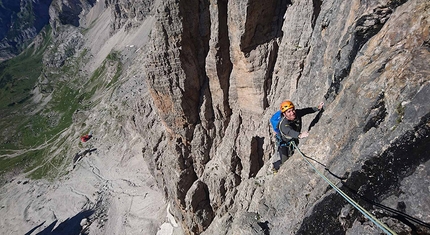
{"x":284,"y":152}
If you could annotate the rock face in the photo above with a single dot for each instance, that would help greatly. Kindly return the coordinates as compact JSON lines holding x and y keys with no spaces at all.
{"x":21,"y":21}
{"x":128,"y":14}
{"x":217,"y":71}
{"x":65,"y":12}
{"x":201,"y":88}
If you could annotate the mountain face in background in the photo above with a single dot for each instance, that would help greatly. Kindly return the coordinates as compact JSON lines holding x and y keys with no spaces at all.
{"x":21,"y":21}
{"x":193,"y":85}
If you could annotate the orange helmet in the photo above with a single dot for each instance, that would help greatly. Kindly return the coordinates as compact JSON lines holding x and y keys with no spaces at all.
{"x":286,"y":105}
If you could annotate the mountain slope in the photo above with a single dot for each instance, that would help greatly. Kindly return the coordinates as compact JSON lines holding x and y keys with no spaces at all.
{"x":191,"y":86}
{"x":82,"y":88}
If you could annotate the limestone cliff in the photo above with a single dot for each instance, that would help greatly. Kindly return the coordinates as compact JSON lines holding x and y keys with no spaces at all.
{"x":217,"y":71}
{"x":197,"y":82}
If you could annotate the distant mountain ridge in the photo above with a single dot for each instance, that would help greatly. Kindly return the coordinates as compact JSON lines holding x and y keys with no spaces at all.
{"x":21,"y":21}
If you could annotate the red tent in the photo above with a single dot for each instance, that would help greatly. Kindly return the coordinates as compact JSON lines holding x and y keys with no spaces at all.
{"x":85,"y":138}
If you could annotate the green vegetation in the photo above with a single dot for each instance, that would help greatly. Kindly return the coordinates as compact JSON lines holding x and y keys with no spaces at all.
{"x":29,"y":134}
{"x":25,"y":160}
{"x":22,"y":20}
{"x":19,"y":75}
{"x":115,"y":57}
{"x":112,"y":60}
{"x":25,"y":18}
{"x":22,"y":132}
{"x":400,"y":112}
{"x":48,"y":168}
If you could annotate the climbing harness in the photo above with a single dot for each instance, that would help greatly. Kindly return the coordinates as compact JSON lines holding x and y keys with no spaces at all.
{"x":282,"y":143}
{"x":347,"y":198}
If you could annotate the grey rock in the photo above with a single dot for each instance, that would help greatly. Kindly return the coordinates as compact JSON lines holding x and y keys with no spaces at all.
{"x":356,"y":57}
{"x":202,"y":91}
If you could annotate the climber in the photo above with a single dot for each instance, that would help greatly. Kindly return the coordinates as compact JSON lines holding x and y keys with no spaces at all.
{"x":290,"y":126}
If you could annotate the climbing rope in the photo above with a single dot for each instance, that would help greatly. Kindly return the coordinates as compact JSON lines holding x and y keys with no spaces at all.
{"x":347,"y":198}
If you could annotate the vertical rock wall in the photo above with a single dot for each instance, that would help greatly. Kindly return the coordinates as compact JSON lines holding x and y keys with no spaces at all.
{"x":217,"y":70}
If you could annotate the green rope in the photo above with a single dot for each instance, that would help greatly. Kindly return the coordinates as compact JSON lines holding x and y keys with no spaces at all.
{"x":347,"y":198}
